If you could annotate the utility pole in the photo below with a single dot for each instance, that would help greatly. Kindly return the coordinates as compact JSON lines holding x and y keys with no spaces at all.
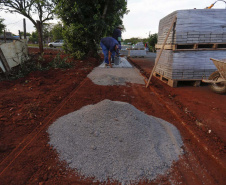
{"x":4,"y":36}
{"x":25,"y":34}
{"x":149,"y":33}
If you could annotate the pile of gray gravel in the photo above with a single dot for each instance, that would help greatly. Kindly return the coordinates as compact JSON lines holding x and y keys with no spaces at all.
{"x":114,"y":140}
{"x":115,"y":76}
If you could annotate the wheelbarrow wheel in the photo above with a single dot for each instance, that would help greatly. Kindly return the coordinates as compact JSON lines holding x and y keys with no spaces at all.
{"x":219,"y":88}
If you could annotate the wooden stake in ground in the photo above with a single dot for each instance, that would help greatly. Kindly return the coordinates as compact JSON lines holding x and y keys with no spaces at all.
{"x":5,"y":36}
{"x":19,"y":34}
{"x":156,"y":62}
{"x":4,"y":61}
{"x":25,"y":33}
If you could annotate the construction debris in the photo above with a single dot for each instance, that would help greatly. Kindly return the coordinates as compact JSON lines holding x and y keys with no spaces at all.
{"x":12,"y":54}
{"x":114,"y":141}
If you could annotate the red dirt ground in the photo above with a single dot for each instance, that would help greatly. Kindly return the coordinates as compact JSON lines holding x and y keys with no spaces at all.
{"x":29,"y":105}
{"x":200,"y":102}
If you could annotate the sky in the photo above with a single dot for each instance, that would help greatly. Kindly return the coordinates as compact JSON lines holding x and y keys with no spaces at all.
{"x":143,"y":17}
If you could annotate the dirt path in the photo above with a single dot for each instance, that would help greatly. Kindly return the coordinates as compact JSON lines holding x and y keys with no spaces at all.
{"x":28,"y":159}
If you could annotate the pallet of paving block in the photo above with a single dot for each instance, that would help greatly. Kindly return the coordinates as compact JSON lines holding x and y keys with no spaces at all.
{"x":166,"y":47}
{"x":174,"y":83}
{"x":197,"y":46}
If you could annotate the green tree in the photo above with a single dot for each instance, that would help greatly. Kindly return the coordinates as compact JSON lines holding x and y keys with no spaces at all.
{"x":27,"y":34}
{"x":57,"y":32}
{"x":46,"y":31}
{"x":152,"y":40}
{"x":2,"y":26}
{"x":34,"y":37}
{"x":30,"y":8}
{"x":86,"y":22}
{"x":133,"y":40}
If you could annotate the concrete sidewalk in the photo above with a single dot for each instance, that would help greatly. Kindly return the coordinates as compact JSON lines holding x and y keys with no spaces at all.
{"x":118,"y":75}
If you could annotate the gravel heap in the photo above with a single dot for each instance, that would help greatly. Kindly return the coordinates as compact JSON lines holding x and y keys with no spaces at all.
{"x":115,"y":76}
{"x":114,"y":140}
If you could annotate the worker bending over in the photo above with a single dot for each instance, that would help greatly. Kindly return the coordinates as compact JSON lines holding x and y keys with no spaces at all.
{"x":110,"y":47}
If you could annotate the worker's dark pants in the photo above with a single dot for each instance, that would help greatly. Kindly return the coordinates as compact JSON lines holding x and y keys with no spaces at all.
{"x":113,"y":55}
{"x":105,"y":51}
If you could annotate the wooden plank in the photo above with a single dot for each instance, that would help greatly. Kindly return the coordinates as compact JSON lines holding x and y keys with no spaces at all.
{"x":25,"y":33}
{"x":171,"y":27}
{"x":174,"y":82}
{"x":4,"y":61}
{"x":194,"y":46}
{"x":5,"y":36}
{"x":174,"y":47}
{"x":215,"y":46}
{"x":167,"y":47}
{"x":19,"y":34}
{"x":170,"y":82}
{"x":200,"y":49}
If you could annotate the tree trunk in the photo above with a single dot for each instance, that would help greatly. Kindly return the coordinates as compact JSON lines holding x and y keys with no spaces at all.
{"x":105,"y":9}
{"x":40,"y":39}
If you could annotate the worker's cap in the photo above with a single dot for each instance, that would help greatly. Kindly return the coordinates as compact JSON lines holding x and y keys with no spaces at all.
{"x":120,"y":26}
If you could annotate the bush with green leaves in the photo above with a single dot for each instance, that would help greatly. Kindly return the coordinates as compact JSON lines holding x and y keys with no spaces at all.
{"x":86,"y":22}
{"x":152,"y":40}
{"x":32,"y":64}
{"x":2,"y":26}
{"x":59,"y":62}
{"x":25,"y":67}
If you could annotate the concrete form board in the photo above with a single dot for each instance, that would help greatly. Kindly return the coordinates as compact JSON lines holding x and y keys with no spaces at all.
{"x":2,"y":67}
{"x":14,"y":52}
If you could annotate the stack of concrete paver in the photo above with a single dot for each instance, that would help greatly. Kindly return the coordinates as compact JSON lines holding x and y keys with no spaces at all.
{"x":194,"y":26}
{"x":124,"y":52}
{"x":187,"y":65}
{"x":139,"y":45}
{"x":206,"y":26}
{"x":137,"y":53}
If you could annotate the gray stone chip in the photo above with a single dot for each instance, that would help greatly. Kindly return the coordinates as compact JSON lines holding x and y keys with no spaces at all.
{"x":114,"y":140}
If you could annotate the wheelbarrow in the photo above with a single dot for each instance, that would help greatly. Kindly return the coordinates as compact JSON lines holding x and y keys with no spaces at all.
{"x":217,"y":80}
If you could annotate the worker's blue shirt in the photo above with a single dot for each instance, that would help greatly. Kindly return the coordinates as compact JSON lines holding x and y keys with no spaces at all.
{"x":109,"y":43}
